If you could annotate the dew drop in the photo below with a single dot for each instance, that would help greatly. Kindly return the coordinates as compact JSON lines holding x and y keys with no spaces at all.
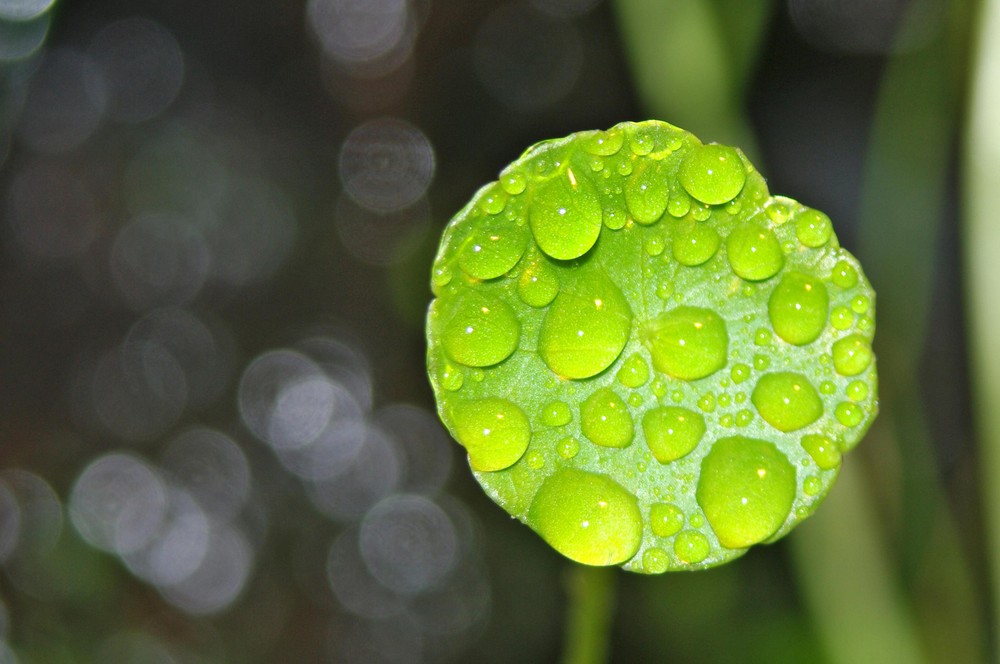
{"x":493,"y":200}
{"x":646,"y":193}
{"x":604,"y":143}
{"x":556,"y":414}
{"x":566,"y":216}
{"x":860,"y":304}
{"x":672,"y":432}
{"x":605,"y":419}
{"x":827,"y":387}
{"x":857,"y":390}
{"x":624,"y":167}
{"x":744,"y":417}
{"x":654,"y":245}
{"x":865,"y":324}
{"x":615,"y":217}
{"x":691,"y":546}
{"x":538,"y":284}
{"x":679,"y":205}
{"x":763,"y":337}
{"x":813,"y":228}
{"x":696,"y":245}
{"x":707,"y":402}
{"x":654,"y":561}
{"x":635,"y":399}
{"x":513,"y":182}
{"x":812,"y":485}
{"x":687,"y":342}
{"x":493,"y":248}
{"x":798,"y":308}
{"x":844,"y":275}
{"x":634,"y":371}
{"x":823,"y":451}
{"x":746,"y":489}
{"x":739,"y":373}
{"x":851,"y":355}
{"x":761,"y":362}
{"x":787,"y":401}
{"x":495,"y":432}
{"x":701,"y":212}
{"x":568,"y":447}
{"x":450,"y":377}
{"x":441,"y":276}
{"x":665,"y":519}
{"x":713,"y":174}
{"x":849,"y":414}
{"x":841,"y":318}
{"x":777,"y":211}
{"x":587,"y":517}
{"x":586,"y":327}
{"x":754,"y":252}
{"x":479,"y":330}
{"x":641,"y":140}
{"x":535,"y":460}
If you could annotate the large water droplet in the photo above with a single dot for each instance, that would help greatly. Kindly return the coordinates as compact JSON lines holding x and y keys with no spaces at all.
{"x":696,"y":245}
{"x":566,"y":216}
{"x":495,"y":432}
{"x":852,"y":355}
{"x":813,"y":228}
{"x":587,"y":517}
{"x":746,"y":489}
{"x":538,"y":284}
{"x":605,"y":419}
{"x":687,"y":342}
{"x":586,"y":327}
{"x":713,"y":174}
{"x":672,"y":432}
{"x":787,"y":401}
{"x":798,"y":308}
{"x":823,"y":451}
{"x":493,"y":248}
{"x":754,"y":252}
{"x":646,"y":192}
{"x":479,"y":330}
{"x":665,"y":519}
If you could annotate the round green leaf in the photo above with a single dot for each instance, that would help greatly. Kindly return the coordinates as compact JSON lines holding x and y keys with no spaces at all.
{"x":649,"y":359}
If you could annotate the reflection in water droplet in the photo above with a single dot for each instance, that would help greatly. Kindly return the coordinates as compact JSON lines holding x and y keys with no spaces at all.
{"x":587,"y":517}
{"x":746,"y":489}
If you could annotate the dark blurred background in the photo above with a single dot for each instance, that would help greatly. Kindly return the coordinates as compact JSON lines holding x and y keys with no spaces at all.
{"x":217,"y":441}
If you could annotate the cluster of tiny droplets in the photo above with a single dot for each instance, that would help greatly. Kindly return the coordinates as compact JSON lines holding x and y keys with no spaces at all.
{"x":649,"y":359}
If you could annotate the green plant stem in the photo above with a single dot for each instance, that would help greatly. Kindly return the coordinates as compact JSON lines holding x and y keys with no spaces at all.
{"x":982,"y":247}
{"x":591,"y":595}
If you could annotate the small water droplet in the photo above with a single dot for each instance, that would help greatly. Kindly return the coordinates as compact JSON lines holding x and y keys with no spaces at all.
{"x":857,"y":390}
{"x":535,"y":460}
{"x":844,"y":275}
{"x":827,"y":387}
{"x":852,"y":355}
{"x":654,"y":245}
{"x":739,"y":373}
{"x":687,"y":342}
{"x":696,"y":245}
{"x":744,"y":417}
{"x":479,"y":330}
{"x":679,"y":204}
{"x":538,"y":284}
{"x":777,"y":211}
{"x":841,"y":318}
{"x":746,"y":489}
{"x":672,"y":432}
{"x":813,"y":228}
{"x":495,"y":432}
{"x":658,"y":387}
{"x":664,"y":290}
{"x":568,"y":447}
{"x":493,"y":200}
{"x":734,"y":206}
{"x":605,"y":419}
{"x":567,"y":217}
{"x":865,"y":324}
{"x":812,"y":485}
{"x":556,"y":414}
{"x":754,"y":252}
{"x":646,"y":192}
{"x":513,"y":181}
{"x":441,"y":277}
{"x":707,"y":402}
{"x":635,"y":399}
{"x":641,"y":140}
{"x":665,"y":519}
{"x":762,"y":337}
{"x":624,"y":167}
{"x":713,"y":174}
{"x":614,"y":217}
{"x":761,"y":362}
{"x":587,"y":517}
{"x":701,"y":212}
{"x":822,"y":450}
{"x":798,"y":308}
{"x":849,"y":414}
{"x":634,"y":371}
{"x":450,"y":377}
{"x":677,"y":396}
{"x":740,"y":397}
{"x":691,"y":546}
{"x":586,"y":327}
{"x":787,"y":401}
{"x":654,"y":561}
{"x":724,"y":399}
{"x":860,"y":304}
{"x":493,"y":248}
{"x":604,"y":143}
